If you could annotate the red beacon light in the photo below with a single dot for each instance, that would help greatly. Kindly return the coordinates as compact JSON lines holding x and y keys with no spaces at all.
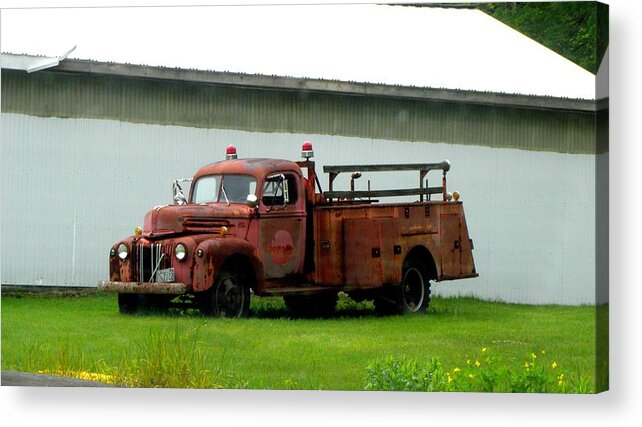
{"x":230,"y":153}
{"x":306,"y":150}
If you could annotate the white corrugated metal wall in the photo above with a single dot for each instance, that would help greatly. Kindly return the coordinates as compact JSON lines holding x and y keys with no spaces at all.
{"x":72,"y":187}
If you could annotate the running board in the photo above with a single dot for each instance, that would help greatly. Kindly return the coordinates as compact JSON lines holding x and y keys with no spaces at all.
{"x":301,"y":290}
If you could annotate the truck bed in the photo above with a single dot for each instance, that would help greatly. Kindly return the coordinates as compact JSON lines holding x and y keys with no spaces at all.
{"x":364,"y":246}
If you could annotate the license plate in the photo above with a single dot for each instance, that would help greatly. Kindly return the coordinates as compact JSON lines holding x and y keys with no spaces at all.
{"x":166,"y":275}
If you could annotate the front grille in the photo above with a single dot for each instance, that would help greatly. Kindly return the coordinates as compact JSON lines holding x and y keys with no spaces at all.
{"x":197,"y":223}
{"x":151,"y":259}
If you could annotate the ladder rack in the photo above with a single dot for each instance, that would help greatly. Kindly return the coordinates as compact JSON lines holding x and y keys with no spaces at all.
{"x":421,"y":191}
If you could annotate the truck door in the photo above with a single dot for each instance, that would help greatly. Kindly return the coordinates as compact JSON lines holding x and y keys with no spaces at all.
{"x":282,"y":225}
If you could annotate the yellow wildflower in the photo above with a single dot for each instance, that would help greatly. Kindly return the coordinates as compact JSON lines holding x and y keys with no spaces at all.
{"x":468,"y":362}
{"x":471,"y":376}
{"x":533,"y":355}
{"x":484,"y":350}
{"x":477,"y":363}
{"x":92,"y":376}
{"x":543,"y":352}
{"x":456,"y":370}
{"x":449,"y":378}
{"x":554,"y":365}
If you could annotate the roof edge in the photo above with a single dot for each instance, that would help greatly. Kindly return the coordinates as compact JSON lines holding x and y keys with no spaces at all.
{"x":328,"y":86}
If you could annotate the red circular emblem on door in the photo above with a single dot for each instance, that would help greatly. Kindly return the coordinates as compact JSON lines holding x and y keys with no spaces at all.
{"x":281,"y":247}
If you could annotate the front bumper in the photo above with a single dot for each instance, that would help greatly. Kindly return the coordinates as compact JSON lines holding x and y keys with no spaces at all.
{"x":142,"y":288}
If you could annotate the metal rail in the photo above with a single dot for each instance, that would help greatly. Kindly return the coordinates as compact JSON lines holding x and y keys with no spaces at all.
{"x":421,"y":191}
{"x":445,"y":166}
{"x":383,"y":193}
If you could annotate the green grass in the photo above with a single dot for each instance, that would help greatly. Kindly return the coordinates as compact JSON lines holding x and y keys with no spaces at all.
{"x":272,"y":351}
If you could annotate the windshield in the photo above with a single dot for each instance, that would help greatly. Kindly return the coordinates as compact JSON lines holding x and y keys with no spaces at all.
{"x":223,"y":188}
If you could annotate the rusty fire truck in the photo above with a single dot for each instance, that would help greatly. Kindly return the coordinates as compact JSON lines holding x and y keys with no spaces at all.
{"x":263,"y":227}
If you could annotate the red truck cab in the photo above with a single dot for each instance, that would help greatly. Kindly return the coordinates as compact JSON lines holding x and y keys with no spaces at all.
{"x":262,"y":227}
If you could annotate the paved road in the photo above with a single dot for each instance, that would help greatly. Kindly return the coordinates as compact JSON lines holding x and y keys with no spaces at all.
{"x":14,"y":378}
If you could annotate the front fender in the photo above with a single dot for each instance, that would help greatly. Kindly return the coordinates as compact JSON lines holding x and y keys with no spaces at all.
{"x":215,"y":252}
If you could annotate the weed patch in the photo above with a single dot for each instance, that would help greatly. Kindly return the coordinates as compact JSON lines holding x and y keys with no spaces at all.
{"x":481,"y":373}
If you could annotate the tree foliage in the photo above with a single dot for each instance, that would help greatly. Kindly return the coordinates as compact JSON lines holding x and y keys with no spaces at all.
{"x":575,"y":30}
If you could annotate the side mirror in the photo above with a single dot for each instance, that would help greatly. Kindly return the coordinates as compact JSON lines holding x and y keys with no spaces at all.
{"x":177,"y":191}
{"x":252,"y":201}
{"x":179,"y":197}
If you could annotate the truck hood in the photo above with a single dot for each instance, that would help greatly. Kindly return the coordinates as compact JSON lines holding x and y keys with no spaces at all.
{"x":171,"y":219}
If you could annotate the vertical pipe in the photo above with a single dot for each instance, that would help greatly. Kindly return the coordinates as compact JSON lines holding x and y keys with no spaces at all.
{"x":369,"y":190}
{"x":140,"y":263}
{"x":156,"y":261}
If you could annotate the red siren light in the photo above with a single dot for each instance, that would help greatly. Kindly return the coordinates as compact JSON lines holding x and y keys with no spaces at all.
{"x":230,"y":153}
{"x":306,"y":150}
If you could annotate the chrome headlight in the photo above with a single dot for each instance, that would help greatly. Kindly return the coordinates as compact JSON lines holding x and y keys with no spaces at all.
{"x":123,"y":251}
{"x":180,"y":252}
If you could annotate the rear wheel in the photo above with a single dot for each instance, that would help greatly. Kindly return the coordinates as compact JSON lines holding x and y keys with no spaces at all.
{"x":411,"y":296}
{"x":229,"y":297}
{"x":415,"y":290}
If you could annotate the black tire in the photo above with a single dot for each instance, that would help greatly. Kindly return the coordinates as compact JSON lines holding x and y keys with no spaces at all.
{"x":411,"y":296}
{"x":312,"y":306}
{"x":414,"y":294}
{"x":229,"y":297}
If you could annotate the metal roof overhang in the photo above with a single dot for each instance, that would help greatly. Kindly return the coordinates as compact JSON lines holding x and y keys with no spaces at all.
{"x":30,"y":63}
{"x":314,"y":85}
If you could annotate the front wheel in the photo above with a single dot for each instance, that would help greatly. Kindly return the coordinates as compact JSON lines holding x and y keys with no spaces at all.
{"x":229,"y":297}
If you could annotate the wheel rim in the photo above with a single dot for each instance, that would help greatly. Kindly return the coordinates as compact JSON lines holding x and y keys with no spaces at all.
{"x":229,"y":297}
{"x":414,"y":290}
